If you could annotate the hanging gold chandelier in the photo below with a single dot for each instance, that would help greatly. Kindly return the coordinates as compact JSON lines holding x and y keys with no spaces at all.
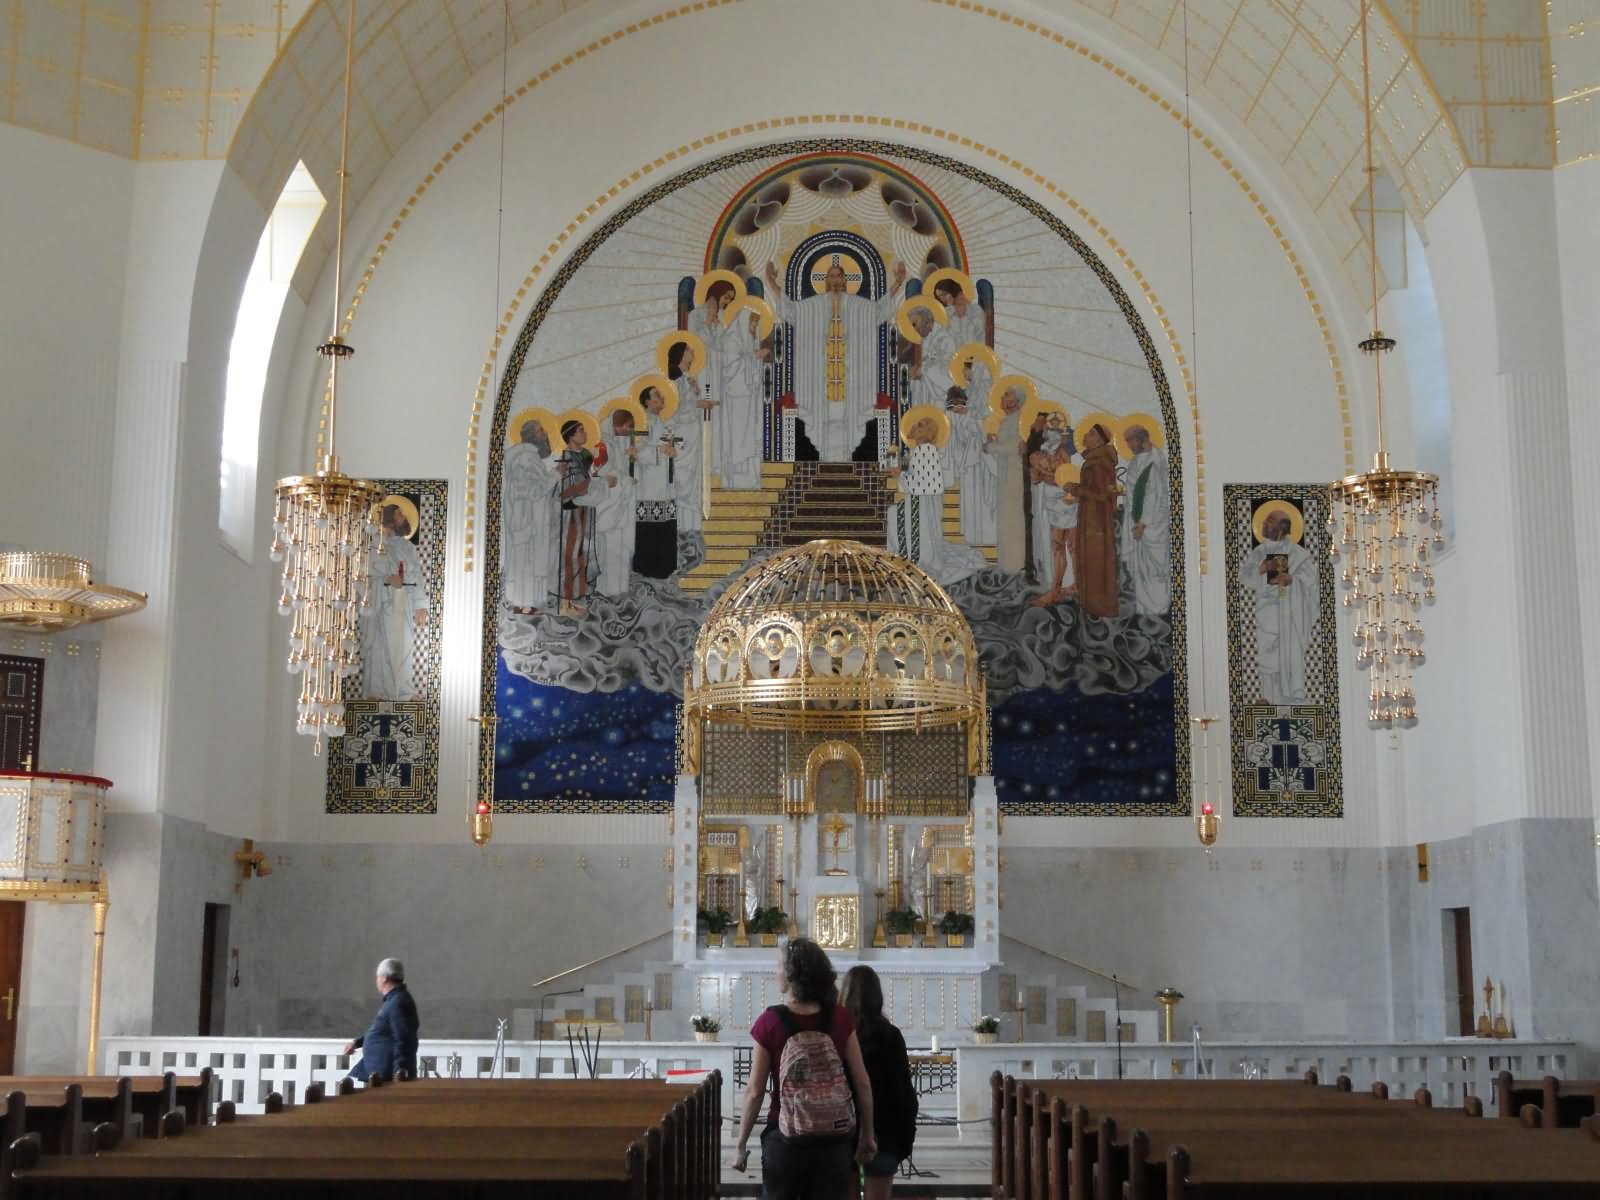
{"x":325,"y":527}
{"x":52,"y":592}
{"x":1383,"y":524}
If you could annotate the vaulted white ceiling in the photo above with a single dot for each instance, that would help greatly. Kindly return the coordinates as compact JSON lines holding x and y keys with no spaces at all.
{"x":1459,"y":82}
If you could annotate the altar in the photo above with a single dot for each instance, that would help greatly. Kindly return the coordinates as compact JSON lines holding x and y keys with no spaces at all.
{"x":834,"y":784}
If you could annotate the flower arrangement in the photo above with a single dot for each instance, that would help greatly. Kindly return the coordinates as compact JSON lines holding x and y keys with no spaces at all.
{"x":716,"y":920}
{"x":703,"y":1023}
{"x":768,"y":923}
{"x":901,"y":920}
{"x":986,"y":1024}
{"x":956,"y":924}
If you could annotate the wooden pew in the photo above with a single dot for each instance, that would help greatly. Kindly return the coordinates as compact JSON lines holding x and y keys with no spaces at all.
{"x":1310,"y":1165}
{"x":1563,"y":1104}
{"x":494,"y":1137}
{"x":1020,"y":1138}
{"x":1064,"y":1151}
{"x":1085,"y":1146}
{"x":620,"y":1176}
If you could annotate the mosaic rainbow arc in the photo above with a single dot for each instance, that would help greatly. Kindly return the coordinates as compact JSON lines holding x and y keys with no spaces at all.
{"x":1066,"y":554}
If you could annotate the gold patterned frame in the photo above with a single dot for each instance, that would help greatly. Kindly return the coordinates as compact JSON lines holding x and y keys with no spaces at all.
{"x":833,"y":752}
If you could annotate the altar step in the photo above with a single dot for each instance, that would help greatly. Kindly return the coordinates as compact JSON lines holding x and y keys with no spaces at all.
{"x":1059,"y":1008}
{"x":734,"y":525}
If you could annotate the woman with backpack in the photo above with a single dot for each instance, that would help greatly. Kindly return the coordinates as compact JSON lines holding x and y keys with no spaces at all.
{"x":894,"y":1096}
{"x":820,"y":1122}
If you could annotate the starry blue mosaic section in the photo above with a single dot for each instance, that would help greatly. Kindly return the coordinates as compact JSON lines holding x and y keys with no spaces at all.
{"x":1062,"y":751}
{"x":556,"y":748}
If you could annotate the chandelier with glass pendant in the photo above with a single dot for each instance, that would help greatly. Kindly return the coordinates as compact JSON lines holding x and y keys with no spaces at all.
{"x":325,"y":528}
{"x":1383,"y":526}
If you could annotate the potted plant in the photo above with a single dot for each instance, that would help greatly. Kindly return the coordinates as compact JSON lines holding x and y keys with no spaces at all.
{"x":956,"y":927}
{"x":985,"y":1029}
{"x":769,"y":923}
{"x":716,"y":921}
{"x":705,"y":1028}
{"x":902,"y":922}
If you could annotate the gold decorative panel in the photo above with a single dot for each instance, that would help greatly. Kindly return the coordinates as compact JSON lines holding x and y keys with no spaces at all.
{"x":836,"y":922}
{"x":1094,"y":1026}
{"x":1066,"y":1018}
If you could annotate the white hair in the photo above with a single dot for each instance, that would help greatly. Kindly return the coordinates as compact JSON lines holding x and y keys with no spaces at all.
{"x":393,"y":970}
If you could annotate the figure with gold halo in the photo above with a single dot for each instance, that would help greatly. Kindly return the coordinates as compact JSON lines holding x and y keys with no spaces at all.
{"x":655,"y":547}
{"x":968,"y":323}
{"x":578,"y":492}
{"x":393,"y":624}
{"x":1281,"y":578}
{"x":737,"y":420}
{"x":688,"y":424}
{"x":1055,"y":512}
{"x":528,"y":511}
{"x":930,"y":378}
{"x":1147,"y":522}
{"x":974,"y":472}
{"x":835,"y":355}
{"x":1098,"y":590}
{"x":916,"y":522}
{"x":614,"y":508}
{"x":1005,"y":446}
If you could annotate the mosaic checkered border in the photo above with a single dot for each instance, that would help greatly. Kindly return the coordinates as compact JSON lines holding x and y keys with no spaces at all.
{"x":432,"y":517}
{"x":1181,"y":806}
{"x":1239,"y":502}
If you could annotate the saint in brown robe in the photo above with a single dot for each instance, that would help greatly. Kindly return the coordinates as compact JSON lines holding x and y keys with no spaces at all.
{"x":1097,"y":532}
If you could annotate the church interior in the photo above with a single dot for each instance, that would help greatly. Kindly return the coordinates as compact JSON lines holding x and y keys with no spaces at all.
{"x":1052,"y":506}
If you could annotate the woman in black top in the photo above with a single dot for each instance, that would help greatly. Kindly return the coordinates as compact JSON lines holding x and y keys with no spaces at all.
{"x":894,"y":1107}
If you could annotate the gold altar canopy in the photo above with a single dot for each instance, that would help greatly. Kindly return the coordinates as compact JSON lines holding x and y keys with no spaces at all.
{"x":836,"y":636}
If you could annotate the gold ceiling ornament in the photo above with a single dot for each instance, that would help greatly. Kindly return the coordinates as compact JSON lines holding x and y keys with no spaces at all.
{"x":1383,"y":524}
{"x":836,"y":636}
{"x":326,"y":526}
{"x":52,"y":592}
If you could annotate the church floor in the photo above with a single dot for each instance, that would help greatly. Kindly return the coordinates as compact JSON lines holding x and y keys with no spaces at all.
{"x":945,"y":1166}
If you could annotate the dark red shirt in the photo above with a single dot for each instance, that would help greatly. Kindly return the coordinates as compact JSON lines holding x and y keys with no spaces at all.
{"x":769,"y":1033}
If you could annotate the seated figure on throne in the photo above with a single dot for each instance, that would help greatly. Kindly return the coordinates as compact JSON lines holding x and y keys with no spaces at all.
{"x":835,"y":355}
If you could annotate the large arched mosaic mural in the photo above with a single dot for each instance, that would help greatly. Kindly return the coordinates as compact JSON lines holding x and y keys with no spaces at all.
{"x":846,"y":339}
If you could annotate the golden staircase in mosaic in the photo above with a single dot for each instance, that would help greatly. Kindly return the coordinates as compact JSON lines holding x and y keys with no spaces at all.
{"x":795,"y":503}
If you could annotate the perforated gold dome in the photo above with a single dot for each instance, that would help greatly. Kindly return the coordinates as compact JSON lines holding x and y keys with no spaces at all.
{"x":835,"y":635}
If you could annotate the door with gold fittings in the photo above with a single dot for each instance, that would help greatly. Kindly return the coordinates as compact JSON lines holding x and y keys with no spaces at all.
{"x":12,"y":913}
{"x":21,"y":684}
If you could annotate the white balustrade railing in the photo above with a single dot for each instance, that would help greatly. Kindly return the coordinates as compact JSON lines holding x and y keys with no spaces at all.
{"x":249,"y":1069}
{"x":1451,"y":1070}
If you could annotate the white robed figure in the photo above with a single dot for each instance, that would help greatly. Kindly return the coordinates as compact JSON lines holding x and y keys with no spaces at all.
{"x":916,"y":522}
{"x":529,"y":512}
{"x":393,"y":625}
{"x":613,"y":497}
{"x":688,"y":425}
{"x":974,"y":473}
{"x":738,"y":391}
{"x":835,"y":357}
{"x":1147,"y":523}
{"x":930,"y":378}
{"x":1280,"y":576}
{"x":968,"y":323}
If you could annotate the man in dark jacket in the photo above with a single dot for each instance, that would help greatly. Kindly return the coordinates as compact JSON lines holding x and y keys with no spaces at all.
{"x":390,"y":1042}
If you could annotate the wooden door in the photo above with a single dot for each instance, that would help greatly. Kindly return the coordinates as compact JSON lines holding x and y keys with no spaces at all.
{"x":1460,"y":930}
{"x":21,"y":684}
{"x":12,"y":913}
